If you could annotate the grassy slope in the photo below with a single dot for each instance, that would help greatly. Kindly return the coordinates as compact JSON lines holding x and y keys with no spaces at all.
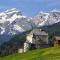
{"x":39,"y":54}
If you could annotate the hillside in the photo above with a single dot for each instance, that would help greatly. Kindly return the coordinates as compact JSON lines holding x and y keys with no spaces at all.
{"x":13,"y":44}
{"x":39,"y":54}
{"x":19,"y":39}
{"x":52,"y":29}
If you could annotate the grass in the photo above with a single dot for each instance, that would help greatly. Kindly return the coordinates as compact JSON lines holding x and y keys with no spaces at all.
{"x":39,"y":54}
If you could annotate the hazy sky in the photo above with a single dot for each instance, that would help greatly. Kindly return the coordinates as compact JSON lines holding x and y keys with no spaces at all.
{"x":30,"y":7}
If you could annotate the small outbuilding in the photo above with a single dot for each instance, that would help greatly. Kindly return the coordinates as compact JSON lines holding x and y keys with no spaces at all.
{"x":24,"y":48}
{"x":56,"y":40}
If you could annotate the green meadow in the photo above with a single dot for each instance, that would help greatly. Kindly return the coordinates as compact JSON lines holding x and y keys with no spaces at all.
{"x":52,"y":53}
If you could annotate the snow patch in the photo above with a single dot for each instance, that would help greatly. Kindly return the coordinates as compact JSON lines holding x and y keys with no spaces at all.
{"x":18,"y":28}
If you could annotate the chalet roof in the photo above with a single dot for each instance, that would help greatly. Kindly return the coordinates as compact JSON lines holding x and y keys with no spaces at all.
{"x":38,"y":32}
{"x":57,"y":37}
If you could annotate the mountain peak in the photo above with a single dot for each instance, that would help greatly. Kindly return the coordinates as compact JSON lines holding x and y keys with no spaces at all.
{"x":13,"y":11}
{"x":13,"y":22}
{"x":55,"y":10}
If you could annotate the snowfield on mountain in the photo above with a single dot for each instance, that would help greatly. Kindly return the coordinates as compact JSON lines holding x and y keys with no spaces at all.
{"x":13,"y":22}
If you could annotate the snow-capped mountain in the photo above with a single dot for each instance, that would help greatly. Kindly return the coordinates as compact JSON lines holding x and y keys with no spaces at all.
{"x":50,"y":18}
{"x":13,"y":22}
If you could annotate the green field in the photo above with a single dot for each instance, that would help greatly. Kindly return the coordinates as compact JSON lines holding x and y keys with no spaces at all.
{"x":39,"y":54}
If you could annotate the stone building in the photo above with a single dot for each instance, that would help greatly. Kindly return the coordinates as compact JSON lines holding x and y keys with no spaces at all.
{"x":37,"y":39}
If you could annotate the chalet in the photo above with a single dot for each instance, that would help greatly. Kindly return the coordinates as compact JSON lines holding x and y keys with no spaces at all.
{"x":56,"y":40}
{"x":35,"y":39}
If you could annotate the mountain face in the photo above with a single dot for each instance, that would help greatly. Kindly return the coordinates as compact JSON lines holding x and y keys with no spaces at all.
{"x":13,"y":22}
{"x":50,"y":18}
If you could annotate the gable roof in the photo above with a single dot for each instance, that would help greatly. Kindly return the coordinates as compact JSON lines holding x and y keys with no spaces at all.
{"x":57,"y":37}
{"x":38,"y":32}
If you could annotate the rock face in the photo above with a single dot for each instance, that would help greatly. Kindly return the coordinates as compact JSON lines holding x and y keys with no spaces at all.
{"x":13,"y":22}
{"x":50,"y":18}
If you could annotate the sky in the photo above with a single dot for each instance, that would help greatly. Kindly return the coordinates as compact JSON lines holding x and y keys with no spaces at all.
{"x":30,"y":7}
